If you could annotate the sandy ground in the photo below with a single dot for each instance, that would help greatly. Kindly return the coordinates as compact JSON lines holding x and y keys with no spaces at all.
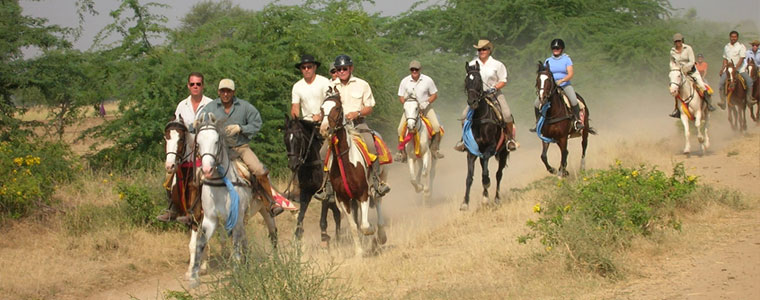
{"x":445,"y":253}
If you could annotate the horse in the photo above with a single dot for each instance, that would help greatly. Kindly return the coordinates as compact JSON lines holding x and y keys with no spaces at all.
{"x":556,"y":122}
{"x":349,"y":173}
{"x":736,"y":91}
{"x":181,"y":184}
{"x":692,"y":107}
{"x":303,"y":142}
{"x":226,"y":193}
{"x":754,"y":106}
{"x":487,"y":135}
{"x":417,"y":145}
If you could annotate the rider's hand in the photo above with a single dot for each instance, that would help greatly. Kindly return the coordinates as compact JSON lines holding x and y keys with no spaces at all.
{"x":424,"y":105}
{"x":317,"y":117}
{"x":491,"y":91}
{"x":352,"y":115}
{"x":232,"y":129}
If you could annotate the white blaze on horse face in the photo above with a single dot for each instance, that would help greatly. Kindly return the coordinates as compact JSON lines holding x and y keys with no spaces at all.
{"x":675,"y":82}
{"x":541,"y":92}
{"x":730,"y":71}
{"x":207,"y":144}
{"x":171,"y":150}
{"x":411,"y":111}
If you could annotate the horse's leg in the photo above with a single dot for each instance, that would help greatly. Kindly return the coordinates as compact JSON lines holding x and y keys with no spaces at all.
{"x":414,"y":163}
{"x":193,"y":257}
{"x":205,"y":231}
{"x":686,"y":133}
{"x":562,"y":144}
{"x":325,"y":238}
{"x":336,"y":217}
{"x":545,"y":146}
{"x":305,"y":199}
{"x":427,"y":171}
{"x":345,"y":209}
{"x":269,"y":221}
{"x":584,"y":144}
{"x":468,"y":182}
{"x":364,"y":206}
{"x":381,"y":237}
{"x":502,"y":157}
{"x":485,"y":179}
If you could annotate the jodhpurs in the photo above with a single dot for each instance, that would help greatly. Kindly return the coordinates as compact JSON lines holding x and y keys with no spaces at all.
{"x":250,"y":160}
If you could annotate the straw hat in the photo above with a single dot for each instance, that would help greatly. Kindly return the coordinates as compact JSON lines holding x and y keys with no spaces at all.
{"x":483,"y":44}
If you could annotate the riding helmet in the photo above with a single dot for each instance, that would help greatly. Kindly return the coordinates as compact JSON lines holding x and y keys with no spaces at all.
{"x":343,"y":61}
{"x":558,"y":43}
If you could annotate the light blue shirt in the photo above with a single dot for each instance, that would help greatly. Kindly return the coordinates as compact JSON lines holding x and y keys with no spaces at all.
{"x":752,"y":55}
{"x":558,"y":66}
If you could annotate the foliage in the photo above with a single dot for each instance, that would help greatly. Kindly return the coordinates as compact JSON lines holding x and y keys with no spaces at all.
{"x":283,"y":273}
{"x":30,"y":173}
{"x":602,"y":213}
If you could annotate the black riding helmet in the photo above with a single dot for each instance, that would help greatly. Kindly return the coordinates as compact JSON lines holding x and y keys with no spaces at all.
{"x":343,"y":61}
{"x":558,"y":43}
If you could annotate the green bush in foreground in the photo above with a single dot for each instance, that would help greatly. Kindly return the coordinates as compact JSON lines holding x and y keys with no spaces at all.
{"x":603,"y":212}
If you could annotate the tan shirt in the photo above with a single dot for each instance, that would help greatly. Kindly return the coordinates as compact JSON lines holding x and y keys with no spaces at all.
{"x":684,"y":60}
{"x":355,"y":94}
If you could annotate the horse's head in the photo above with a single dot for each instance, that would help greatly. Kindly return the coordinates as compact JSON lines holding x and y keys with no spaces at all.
{"x":545,"y":84}
{"x":473,"y":84}
{"x":752,"y":68}
{"x":332,"y":108}
{"x":208,"y":142}
{"x":295,"y":142}
{"x":175,"y":136}
{"x":676,"y":81}
{"x":411,"y":112}
{"x":731,"y":74}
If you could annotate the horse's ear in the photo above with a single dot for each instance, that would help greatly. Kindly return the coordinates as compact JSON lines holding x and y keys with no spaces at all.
{"x":287,"y":118}
{"x":212,"y":118}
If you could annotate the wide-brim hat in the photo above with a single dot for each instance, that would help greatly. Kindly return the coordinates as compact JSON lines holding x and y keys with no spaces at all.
{"x":483,"y":44}
{"x":307,"y":59}
{"x":227,"y":84}
{"x":755,"y":42}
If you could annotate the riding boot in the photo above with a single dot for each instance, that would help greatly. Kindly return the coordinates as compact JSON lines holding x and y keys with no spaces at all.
{"x":538,"y":116}
{"x":459,"y":146}
{"x":722,"y":102}
{"x":401,"y":155}
{"x":171,"y":212}
{"x":512,"y":144}
{"x":381,"y":188}
{"x":435,"y":146}
{"x":676,"y":113}
{"x":577,"y":113}
{"x":326,"y":190}
{"x":265,"y":185}
{"x":708,"y":99}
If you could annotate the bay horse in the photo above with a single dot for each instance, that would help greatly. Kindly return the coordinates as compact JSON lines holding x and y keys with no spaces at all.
{"x":226,"y":193}
{"x":754,"y":106}
{"x":556,"y":122}
{"x":182,"y":184}
{"x":303,"y":142}
{"x":692,"y":107}
{"x":482,"y":134}
{"x":417,"y":143}
{"x":736,"y":91}
{"x":349,"y":173}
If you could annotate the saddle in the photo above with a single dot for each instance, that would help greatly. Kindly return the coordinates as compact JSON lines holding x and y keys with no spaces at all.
{"x":494,"y":104}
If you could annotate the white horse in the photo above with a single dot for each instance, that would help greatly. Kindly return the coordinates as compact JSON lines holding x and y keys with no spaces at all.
{"x":218,"y":203}
{"x":419,"y":157}
{"x":692,"y":108}
{"x":175,"y":135}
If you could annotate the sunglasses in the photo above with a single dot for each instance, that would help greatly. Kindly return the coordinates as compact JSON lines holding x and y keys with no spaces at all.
{"x":333,"y":71}
{"x":194,"y":84}
{"x":341,"y":69}
{"x":556,"y":48}
{"x":306,"y":67}
{"x":484,"y":49}
{"x":414,"y":69}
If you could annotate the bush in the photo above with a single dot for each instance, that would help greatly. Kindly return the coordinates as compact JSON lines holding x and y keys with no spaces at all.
{"x":30,"y":174}
{"x":602,"y":213}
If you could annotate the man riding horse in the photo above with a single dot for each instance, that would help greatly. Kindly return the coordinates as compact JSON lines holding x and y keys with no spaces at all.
{"x":682,"y":57}
{"x":735,"y":52}
{"x":423,"y":88}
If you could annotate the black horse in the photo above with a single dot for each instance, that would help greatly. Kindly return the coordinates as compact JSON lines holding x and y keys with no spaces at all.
{"x":487,"y":132}
{"x":303,"y":141}
{"x":558,"y":120}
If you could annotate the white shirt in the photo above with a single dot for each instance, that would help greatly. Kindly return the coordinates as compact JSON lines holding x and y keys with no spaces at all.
{"x":492,"y":72}
{"x":735,"y":53}
{"x":310,"y":95}
{"x":423,"y":88}
{"x":754,"y":56}
{"x":185,"y":111}
{"x":355,"y":94}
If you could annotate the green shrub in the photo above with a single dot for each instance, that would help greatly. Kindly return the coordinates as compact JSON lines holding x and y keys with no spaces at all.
{"x":30,"y":174}
{"x":600,"y":214}
{"x":141,"y":204}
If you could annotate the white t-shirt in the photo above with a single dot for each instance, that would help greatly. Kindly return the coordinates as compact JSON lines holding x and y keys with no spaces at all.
{"x":492,"y":72}
{"x":734,"y":53}
{"x":185,"y":110}
{"x":310,"y":96}
{"x":423,"y":88}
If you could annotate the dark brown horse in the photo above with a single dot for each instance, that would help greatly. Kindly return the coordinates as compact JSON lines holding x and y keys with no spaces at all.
{"x":736,"y":94}
{"x":349,"y":172}
{"x":555,"y":125}
{"x":303,"y":141}
{"x":754,"y":106}
{"x":483,"y":135}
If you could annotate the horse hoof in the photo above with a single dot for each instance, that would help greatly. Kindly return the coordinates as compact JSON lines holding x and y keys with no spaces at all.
{"x":194,"y":283}
{"x":189,"y":276}
{"x":485,"y":201}
{"x":464,"y":207}
{"x":701,"y":139}
{"x":552,"y":170}
{"x":368,"y":231}
{"x":564,"y":173}
{"x":381,"y":237}
{"x":299,"y":233}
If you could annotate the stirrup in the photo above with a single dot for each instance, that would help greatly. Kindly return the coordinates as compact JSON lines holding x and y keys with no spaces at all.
{"x":675,"y":114}
{"x":186,"y":219}
{"x":400,"y":157}
{"x":169,"y":215}
{"x":321,"y":194}
{"x":381,"y":188}
{"x":578,"y":125}
{"x":722,"y":105}
{"x":532,"y":129}
{"x":512,"y":145}
{"x":459,"y":146}
{"x":437,"y":154}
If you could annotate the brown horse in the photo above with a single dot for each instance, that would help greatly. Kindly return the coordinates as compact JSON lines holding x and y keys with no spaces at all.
{"x":736,"y":91}
{"x":181,"y":184}
{"x":349,"y":172}
{"x":555,"y":125}
{"x":754,"y":106}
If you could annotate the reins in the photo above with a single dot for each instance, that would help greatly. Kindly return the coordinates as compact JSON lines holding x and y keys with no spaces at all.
{"x":301,"y":161}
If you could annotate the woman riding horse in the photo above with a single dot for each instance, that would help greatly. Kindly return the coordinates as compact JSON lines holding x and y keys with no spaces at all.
{"x":562,"y":69}
{"x":682,"y":56}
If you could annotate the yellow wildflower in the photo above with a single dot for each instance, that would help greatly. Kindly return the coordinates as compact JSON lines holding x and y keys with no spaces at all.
{"x":548,"y":248}
{"x":691,"y":178}
{"x":537,"y":208}
{"x":121,"y":196}
{"x":635,"y":173}
{"x":18,"y":161}
{"x":105,"y":180}
{"x":618,"y":162}
{"x":567,"y":207}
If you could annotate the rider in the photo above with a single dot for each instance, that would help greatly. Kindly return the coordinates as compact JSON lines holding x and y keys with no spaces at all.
{"x":701,"y":65}
{"x":187,"y":110}
{"x":423,"y":88}
{"x":754,"y":54}
{"x":561,"y":67}
{"x":494,"y":75}
{"x":358,"y":102}
{"x":243,"y":121}
{"x":309,"y":92}
{"x":682,"y":58}
{"x":333,"y":72}
{"x":733,"y":51}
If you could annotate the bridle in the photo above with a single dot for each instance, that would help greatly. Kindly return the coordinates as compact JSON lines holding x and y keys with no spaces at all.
{"x":304,"y":151}
{"x":541,"y":90}
{"x":179,"y":154}
{"x":679,"y":85}
{"x":475,"y":87}
{"x":219,"y":148}
{"x":416,"y":116}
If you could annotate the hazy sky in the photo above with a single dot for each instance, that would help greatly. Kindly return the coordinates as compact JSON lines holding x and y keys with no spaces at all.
{"x":63,"y":12}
